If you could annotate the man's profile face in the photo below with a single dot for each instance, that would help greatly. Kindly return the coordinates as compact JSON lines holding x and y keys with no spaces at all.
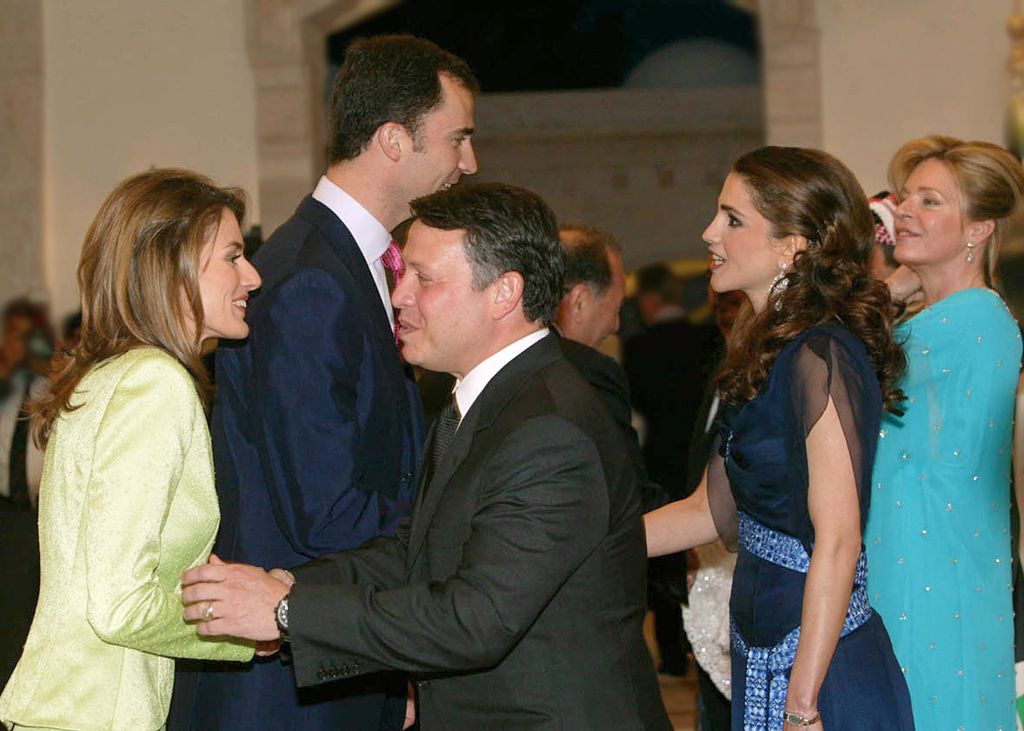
{"x":444,"y":324}
{"x":606,"y":307}
{"x":443,"y":149}
{"x":595,"y":317}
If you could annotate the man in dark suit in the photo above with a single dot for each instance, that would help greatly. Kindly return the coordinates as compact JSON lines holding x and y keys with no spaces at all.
{"x":317,"y":428}
{"x":515,"y":594}
{"x":594,"y":289}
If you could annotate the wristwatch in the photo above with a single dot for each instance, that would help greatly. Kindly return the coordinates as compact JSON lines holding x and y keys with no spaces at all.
{"x":795,"y":719}
{"x":281,"y":614}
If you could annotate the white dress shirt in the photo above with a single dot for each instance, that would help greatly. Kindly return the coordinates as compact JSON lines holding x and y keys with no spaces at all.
{"x":370,"y":235}
{"x":469,"y":388}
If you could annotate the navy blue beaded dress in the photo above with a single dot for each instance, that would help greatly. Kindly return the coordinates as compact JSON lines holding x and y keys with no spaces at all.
{"x":762,"y":457}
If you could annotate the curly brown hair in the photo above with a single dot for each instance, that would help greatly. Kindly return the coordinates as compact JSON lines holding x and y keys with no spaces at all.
{"x":811,"y":194}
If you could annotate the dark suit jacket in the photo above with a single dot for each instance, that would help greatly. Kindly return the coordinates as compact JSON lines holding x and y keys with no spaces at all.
{"x":516,"y":596}
{"x":317,"y":434}
{"x":669,"y":367}
{"x":610,"y":382}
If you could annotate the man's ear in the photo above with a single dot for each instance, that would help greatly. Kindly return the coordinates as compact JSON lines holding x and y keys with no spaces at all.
{"x":508,"y":293}
{"x":392,"y":138}
{"x":578,"y":300}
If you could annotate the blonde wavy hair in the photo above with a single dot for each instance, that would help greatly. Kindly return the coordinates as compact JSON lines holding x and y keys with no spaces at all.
{"x":990,"y":180}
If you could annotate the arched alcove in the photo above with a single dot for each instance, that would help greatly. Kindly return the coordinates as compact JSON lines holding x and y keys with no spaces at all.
{"x":643,"y":163}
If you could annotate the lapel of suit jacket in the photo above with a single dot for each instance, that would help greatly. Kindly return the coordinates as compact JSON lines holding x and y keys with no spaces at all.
{"x":344,"y":245}
{"x":491,"y":401}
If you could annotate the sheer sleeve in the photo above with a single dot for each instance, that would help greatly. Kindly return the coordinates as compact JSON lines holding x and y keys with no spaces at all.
{"x":826,"y":367}
{"x":720,"y":498}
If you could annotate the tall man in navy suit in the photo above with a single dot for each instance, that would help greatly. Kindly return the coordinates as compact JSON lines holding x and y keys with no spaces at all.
{"x":317,"y":428}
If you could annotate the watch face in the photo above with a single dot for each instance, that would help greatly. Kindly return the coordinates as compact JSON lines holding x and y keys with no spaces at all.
{"x":282,"y":615}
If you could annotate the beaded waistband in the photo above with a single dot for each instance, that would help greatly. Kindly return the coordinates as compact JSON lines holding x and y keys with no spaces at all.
{"x":767,"y":679}
{"x":785,"y":550}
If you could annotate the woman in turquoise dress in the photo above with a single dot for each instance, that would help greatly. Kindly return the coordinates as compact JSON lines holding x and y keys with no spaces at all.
{"x":810,"y":366}
{"x":938,"y":533}
{"x":127,"y":499}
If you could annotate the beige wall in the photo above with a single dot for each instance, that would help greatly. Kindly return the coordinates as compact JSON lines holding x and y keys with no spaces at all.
{"x":129,"y":85}
{"x":645,"y":164}
{"x":896,"y":69}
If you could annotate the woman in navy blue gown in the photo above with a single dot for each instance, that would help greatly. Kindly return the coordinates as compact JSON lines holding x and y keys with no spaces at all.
{"x":811,"y":366}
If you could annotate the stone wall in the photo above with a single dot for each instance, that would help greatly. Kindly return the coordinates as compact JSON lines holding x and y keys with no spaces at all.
{"x":21,"y":149}
{"x":646,"y":165}
{"x":792,"y":78}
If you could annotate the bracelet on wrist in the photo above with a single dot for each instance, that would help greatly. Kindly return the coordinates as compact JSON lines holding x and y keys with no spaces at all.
{"x":796,"y":719}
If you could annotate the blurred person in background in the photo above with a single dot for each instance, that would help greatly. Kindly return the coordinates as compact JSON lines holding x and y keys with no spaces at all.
{"x":26,"y":344}
{"x":710,"y":567}
{"x":669,"y":366}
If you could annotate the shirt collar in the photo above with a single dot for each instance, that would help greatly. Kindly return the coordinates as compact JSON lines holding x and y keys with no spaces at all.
{"x":370,"y":235}
{"x":469,"y":388}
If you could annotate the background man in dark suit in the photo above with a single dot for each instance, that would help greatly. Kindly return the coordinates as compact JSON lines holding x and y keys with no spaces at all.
{"x":594,"y":289}
{"x":516,"y":593}
{"x":316,"y":427}
{"x":668,"y":366}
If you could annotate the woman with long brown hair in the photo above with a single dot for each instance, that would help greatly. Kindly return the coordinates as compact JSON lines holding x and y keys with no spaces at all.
{"x":809,"y":369}
{"x":127,"y":499}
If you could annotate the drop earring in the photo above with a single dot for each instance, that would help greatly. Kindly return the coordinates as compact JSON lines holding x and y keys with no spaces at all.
{"x":970,"y":252}
{"x":778,"y":286}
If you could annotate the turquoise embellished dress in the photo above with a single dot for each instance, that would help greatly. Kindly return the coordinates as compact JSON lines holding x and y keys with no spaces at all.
{"x":938,"y":532}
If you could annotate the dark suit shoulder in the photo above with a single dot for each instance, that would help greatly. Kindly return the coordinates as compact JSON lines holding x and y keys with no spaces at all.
{"x":296,"y":245}
{"x":605,"y":375}
{"x":593,"y":364}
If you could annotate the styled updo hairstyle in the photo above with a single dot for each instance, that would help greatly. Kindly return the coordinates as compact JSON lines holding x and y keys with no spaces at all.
{"x":989,"y":178}
{"x":810,"y":193}
{"x":139,"y":280}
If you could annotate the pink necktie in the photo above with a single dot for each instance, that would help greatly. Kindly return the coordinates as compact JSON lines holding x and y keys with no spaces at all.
{"x":392,"y":261}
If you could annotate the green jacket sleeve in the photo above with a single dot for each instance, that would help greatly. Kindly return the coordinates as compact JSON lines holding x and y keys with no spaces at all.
{"x":142,"y":444}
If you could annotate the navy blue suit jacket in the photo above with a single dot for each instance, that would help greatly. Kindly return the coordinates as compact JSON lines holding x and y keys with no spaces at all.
{"x":317,"y":431}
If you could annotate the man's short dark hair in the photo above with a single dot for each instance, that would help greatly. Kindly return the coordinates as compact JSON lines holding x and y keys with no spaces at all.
{"x":508,"y":229}
{"x":392,"y":78}
{"x":588,"y":258}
